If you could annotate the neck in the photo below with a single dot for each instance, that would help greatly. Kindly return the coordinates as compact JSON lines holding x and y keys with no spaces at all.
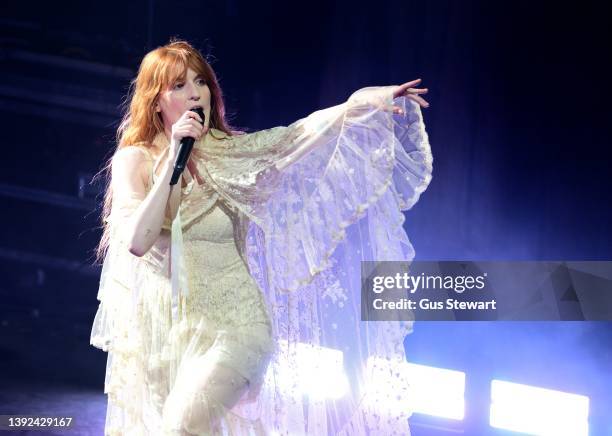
{"x":166,"y":137}
{"x":160,"y":142}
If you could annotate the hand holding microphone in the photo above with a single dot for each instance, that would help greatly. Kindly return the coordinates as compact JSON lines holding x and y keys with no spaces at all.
{"x":186,"y":129}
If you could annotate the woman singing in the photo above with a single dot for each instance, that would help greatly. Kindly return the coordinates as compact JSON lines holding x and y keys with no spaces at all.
{"x":229,"y":302}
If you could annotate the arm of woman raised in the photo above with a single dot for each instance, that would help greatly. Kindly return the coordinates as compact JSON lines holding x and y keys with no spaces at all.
{"x":130,"y":167}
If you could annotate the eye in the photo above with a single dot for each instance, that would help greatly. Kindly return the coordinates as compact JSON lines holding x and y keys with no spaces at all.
{"x":201,"y":82}
{"x":178,"y":85}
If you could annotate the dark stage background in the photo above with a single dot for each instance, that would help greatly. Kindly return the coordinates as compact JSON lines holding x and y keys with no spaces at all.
{"x":519,"y":125}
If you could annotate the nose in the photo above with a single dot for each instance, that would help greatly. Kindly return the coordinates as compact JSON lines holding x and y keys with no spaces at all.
{"x":193,"y":92}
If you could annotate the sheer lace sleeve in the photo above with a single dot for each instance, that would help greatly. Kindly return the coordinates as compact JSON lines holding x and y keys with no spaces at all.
{"x":316,"y":198}
{"x":326,"y":193}
{"x":304,"y":184}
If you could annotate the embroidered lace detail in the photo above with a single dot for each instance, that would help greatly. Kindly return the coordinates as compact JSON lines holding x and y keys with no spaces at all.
{"x":275,"y":225}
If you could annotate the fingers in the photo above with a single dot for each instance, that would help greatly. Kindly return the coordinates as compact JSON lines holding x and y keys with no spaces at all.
{"x":407,"y":90}
{"x":193,"y":114}
{"x":196,"y":120}
{"x":401,"y":89}
{"x":189,"y":130}
{"x":188,"y":125}
{"x":193,"y":127}
{"x":420,"y":100}
{"x":192,"y":118}
{"x":417,"y":90}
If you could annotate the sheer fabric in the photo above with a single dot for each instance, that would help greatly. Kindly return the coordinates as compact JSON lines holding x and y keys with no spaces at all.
{"x":244,"y":318}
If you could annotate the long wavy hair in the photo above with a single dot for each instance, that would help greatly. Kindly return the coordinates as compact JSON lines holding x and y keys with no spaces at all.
{"x":158,"y":71}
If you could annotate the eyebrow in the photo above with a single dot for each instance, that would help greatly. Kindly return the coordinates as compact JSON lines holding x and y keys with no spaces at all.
{"x":184,"y":78}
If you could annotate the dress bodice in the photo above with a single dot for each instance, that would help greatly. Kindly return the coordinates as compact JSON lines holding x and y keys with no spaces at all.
{"x":210,"y":243}
{"x":219,"y":279}
{"x":214,"y":225}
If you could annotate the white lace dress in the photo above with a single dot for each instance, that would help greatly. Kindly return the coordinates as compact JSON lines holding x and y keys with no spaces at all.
{"x":249,"y":300}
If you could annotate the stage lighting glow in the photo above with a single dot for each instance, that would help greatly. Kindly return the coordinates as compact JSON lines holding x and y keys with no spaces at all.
{"x":319,"y":373}
{"x":538,"y":411}
{"x":420,"y":388}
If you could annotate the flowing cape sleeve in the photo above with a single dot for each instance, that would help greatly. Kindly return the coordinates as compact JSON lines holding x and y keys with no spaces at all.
{"x":321,"y":195}
{"x":316,"y":198}
{"x":306,"y":183}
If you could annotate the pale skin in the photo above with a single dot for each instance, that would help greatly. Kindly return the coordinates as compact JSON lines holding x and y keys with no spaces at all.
{"x":130,"y":165}
{"x":409,"y":91}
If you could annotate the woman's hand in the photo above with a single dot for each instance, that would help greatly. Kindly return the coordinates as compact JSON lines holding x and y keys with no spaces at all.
{"x":188,"y":125}
{"x":407,"y":90}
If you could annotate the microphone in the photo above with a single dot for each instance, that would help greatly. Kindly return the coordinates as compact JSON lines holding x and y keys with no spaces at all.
{"x":184,"y":151}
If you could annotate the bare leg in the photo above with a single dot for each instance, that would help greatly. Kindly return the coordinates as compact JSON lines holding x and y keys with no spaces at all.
{"x":216,"y":392}
{"x":203,"y":392}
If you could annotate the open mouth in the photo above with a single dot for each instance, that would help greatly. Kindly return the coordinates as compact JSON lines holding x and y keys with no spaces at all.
{"x":196,"y":107}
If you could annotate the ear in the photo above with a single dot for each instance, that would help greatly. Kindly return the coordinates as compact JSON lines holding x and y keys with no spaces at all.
{"x":157,"y":108}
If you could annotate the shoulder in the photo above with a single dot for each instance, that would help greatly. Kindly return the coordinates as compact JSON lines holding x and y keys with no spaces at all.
{"x":132,"y":153}
{"x":132,"y":160}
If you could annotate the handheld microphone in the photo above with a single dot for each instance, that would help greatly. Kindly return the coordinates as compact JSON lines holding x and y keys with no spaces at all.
{"x":184,"y":151}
